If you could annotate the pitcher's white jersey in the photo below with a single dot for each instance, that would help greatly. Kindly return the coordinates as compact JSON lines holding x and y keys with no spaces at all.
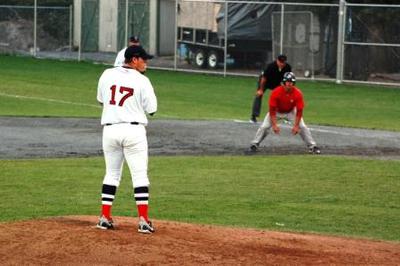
{"x":126,"y":95}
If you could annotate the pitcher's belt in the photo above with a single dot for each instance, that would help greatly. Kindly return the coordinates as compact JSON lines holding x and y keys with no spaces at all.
{"x":132,"y":123}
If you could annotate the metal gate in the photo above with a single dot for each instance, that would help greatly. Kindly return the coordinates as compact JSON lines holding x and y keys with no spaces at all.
{"x":90,"y":26}
{"x":133,"y":19}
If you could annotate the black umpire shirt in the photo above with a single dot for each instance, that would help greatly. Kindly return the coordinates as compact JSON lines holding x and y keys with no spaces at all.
{"x":274,"y":76}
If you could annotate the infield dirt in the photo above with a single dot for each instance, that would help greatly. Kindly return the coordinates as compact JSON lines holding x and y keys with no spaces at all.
{"x":28,"y":137}
{"x":74,"y":240}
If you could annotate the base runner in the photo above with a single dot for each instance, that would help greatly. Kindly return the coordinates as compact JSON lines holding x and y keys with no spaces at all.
{"x":285,"y":103}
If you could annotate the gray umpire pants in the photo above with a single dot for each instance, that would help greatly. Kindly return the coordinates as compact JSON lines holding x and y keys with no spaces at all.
{"x":265,"y":128}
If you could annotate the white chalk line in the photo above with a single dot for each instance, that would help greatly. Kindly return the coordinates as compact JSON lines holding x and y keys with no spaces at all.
{"x":286,"y":125}
{"x":331,"y":131}
{"x":60,"y":101}
{"x":48,"y":100}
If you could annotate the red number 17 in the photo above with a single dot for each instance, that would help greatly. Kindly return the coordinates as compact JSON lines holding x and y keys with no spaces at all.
{"x":122,"y":90}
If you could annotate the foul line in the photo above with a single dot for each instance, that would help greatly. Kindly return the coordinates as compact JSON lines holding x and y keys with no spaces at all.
{"x":60,"y":101}
{"x":287,"y":125}
{"x":48,"y":100}
{"x":332,"y":131}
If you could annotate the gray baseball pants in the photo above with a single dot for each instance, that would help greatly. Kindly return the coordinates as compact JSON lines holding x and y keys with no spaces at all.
{"x":266,"y":125}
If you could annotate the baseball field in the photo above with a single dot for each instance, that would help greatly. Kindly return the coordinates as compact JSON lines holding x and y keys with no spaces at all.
{"x":211,"y":202}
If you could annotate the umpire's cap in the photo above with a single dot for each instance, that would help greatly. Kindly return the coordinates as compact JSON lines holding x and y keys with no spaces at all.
{"x":282,"y":58}
{"x":134,"y":39}
{"x":136,"y":51}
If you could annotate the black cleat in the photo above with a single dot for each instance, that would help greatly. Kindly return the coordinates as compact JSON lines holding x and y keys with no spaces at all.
{"x":145,"y":227}
{"x":314,"y":150}
{"x":253,"y":119}
{"x":104,"y":223}
{"x":253,"y":148}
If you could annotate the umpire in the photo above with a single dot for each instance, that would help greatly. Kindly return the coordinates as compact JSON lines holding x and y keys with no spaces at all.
{"x":270,"y":78}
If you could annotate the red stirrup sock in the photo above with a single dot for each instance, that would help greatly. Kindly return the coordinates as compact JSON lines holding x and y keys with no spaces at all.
{"x":143,"y":211}
{"x":142,"y":201}
{"x":106,"y":211}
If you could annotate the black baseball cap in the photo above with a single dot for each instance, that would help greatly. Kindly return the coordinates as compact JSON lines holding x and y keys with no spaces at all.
{"x":136,"y":51}
{"x":134,"y":39}
{"x":282,"y":58}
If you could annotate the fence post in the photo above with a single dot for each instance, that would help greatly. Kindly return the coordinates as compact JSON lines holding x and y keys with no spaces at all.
{"x":70,"y":27}
{"x":176,"y":35}
{"x":340,"y":44}
{"x":80,"y":31}
{"x":34,"y":28}
{"x":312,"y":45}
{"x":226,"y":36}
{"x":126,"y":20}
{"x":282,"y":32}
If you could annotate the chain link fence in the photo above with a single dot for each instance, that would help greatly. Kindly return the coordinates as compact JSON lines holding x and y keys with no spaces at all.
{"x":29,"y":30}
{"x":371,"y":43}
{"x":341,"y":42}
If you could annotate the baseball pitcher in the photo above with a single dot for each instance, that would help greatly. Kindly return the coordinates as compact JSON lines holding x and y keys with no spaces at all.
{"x":127,"y":96}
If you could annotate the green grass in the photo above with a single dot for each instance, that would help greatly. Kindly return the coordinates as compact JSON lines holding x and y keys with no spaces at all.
{"x":329,"y":195}
{"x":68,"y":82}
{"x":184,"y":96}
{"x":352,"y":105}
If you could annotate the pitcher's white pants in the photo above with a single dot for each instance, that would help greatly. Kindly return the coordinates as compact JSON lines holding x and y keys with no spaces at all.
{"x":130,"y":142}
{"x":265,"y":128}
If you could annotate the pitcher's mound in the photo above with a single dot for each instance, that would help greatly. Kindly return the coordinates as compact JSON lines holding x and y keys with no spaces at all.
{"x":75,"y":240}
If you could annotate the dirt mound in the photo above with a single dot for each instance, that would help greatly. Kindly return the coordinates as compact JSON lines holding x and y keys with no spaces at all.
{"x":75,"y":240}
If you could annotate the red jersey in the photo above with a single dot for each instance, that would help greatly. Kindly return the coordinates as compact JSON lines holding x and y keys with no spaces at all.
{"x":283,"y":102}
